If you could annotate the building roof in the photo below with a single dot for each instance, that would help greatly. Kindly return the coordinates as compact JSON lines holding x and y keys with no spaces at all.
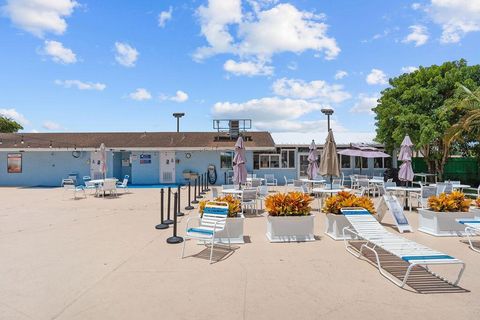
{"x":134,"y":140}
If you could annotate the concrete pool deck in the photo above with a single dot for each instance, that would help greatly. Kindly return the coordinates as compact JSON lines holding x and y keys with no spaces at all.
{"x":103,"y":259}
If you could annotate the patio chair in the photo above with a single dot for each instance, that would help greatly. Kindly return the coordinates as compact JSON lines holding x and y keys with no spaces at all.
{"x":256,"y":182}
{"x":110,"y":186}
{"x":365,"y":227}
{"x":353,"y":181}
{"x":69,"y":186}
{"x":298,"y":183}
{"x":214,"y":193}
{"x":228,"y":186}
{"x":249,"y":199}
{"x":288,"y":182}
{"x":364,"y":183}
{"x":270,"y":180}
{"x":262,"y":193}
{"x":213,"y":220}
{"x":89,"y":185}
{"x":472,"y":228}
{"x":124,"y":184}
{"x":443,"y":187}
{"x":422,"y":197}
{"x":471,"y":193}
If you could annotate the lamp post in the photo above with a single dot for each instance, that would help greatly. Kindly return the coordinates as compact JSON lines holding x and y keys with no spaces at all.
{"x":178,"y":115}
{"x":328,"y":112}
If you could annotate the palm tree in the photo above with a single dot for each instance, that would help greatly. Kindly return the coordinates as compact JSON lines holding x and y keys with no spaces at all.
{"x":468,"y":123}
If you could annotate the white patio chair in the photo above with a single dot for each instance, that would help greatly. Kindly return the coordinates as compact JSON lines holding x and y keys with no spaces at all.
{"x":249,"y":199}
{"x":256,"y":182}
{"x":364,"y":226}
{"x":472,"y":228}
{"x":110,"y":186}
{"x":422,"y":197}
{"x":123,"y":185}
{"x":288,"y":182}
{"x":213,"y":220}
{"x":262,"y":194}
{"x":69,"y":186}
{"x":214,"y":193}
{"x":443,"y":187}
{"x":270,"y":180}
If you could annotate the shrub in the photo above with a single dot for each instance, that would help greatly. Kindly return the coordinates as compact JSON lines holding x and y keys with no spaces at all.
{"x":452,"y":202}
{"x":477,"y":202}
{"x":345,"y":199}
{"x":234,"y":205}
{"x":288,"y":204}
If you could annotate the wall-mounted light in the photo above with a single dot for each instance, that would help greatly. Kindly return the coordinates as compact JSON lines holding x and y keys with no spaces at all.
{"x":22,"y":141}
{"x":50,"y":146}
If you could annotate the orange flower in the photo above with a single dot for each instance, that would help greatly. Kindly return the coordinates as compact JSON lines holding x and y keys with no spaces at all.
{"x":344,"y":199}
{"x":452,"y":202}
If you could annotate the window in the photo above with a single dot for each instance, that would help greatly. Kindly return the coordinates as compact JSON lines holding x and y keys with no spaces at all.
{"x":267,"y":161}
{"x":226,"y":160}
{"x":361,"y":162}
{"x":387,"y":162}
{"x":378,"y":163}
{"x":345,"y":161}
{"x":288,"y":158}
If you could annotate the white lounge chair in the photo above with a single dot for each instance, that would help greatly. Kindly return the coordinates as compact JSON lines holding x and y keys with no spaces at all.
{"x":123,"y":185}
{"x":213,"y":220}
{"x":270,"y":180}
{"x":472,"y":228}
{"x":366,"y":227}
{"x":69,"y":186}
{"x":288,"y":182}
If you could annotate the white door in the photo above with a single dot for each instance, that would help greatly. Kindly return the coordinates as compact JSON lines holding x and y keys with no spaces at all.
{"x":302,"y":165}
{"x":167,"y":167}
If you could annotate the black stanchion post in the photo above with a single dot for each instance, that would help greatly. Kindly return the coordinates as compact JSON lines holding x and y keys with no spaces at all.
{"x":202,"y":183}
{"x":162,"y":224}
{"x":189,"y":207}
{"x":195,"y":201}
{"x":179,"y":213}
{"x":199,"y":194}
{"x":225,"y":177}
{"x":174,"y":238}
{"x":207,"y":182}
{"x":169,"y":196}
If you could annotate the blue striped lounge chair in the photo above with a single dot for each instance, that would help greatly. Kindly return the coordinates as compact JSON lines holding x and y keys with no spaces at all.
{"x":366,"y":227}
{"x":472,"y":228}
{"x":212,"y":221}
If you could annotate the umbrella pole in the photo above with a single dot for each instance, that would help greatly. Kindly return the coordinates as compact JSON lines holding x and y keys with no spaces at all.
{"x":331,"y":182}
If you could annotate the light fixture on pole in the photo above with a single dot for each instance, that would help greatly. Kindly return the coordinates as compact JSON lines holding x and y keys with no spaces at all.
{"x":178,"y":115}
{"x":328,"y":112}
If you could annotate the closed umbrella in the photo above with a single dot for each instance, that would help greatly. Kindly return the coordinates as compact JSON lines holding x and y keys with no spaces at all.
{"x":406,"y":171}
{"x":103,"y":160}
{"x":239,"y":163}
{"x":329,"y":160}
{"x":312,"y":162}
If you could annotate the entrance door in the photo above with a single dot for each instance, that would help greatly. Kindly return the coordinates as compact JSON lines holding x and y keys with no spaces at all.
{"x":167,"y":167}
{"x":302,"y":165}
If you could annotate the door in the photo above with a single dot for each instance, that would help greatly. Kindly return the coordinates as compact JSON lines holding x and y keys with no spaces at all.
{"x":167,"y":167}
{"x":302,"y":165}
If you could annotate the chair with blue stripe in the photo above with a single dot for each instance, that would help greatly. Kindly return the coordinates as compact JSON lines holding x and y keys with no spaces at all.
{"x":207,"y":227}
{"x":472,"y":228}
{"x":364,"y":226}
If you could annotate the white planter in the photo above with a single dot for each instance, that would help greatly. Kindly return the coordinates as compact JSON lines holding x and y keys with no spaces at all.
{"x":235,"y":230}
{"x":334,"y":225}
{"x":290,"y":229}
{"x":476,"y":212}
{"x":442,"y":224}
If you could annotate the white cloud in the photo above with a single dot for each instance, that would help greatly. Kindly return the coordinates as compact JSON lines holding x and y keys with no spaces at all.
{"x":409,"y":69}
{"x":266,"y":110}
{"x":457,"y":18}
{"x":376,"y":76}
{"x":320,"y":134}
{"x":292,"y":65}
{"x":140,"y":94}
{"x":164,"y":16}
{"x":418,"y":35}
{"x":50,"y":125}
{"x":318,"y":90}
{"x":261,"y":33}
{"x":81,"y":85}
{"x":416,"y":6}
{"x":125,"y":54}
{"x":180,"y":96}
{"x":247,"y":68}
{"x":40,"y":16}
{"x":341,"y":74}
{"x":365,"y":103}
{"x":15,"y":115}
{"x":58,"y":52}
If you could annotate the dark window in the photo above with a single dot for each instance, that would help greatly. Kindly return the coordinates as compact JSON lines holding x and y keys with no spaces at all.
{"x":378,"y":163}
{"x":361,"y":162}
{"x":345,"y":161}
{"x":226,"y":160}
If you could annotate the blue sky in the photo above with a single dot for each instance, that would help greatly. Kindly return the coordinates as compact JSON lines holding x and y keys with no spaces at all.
{"x":126,"y":66}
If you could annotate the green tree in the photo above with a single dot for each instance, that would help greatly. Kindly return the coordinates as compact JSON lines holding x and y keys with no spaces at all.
{"x":8,"y":125}
{"x":424,"y":104}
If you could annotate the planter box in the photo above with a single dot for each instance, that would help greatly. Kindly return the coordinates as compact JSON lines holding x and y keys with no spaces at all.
{"x":290,"y":229}
{"x":476,"y":212}
{"x":235,"y":229}
{"x":442,"y":224}
{"x":334,"y":225}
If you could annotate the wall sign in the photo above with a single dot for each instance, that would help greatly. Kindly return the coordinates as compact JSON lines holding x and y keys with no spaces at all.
{"x":145,"y":158}
{"x":14,"y":163}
